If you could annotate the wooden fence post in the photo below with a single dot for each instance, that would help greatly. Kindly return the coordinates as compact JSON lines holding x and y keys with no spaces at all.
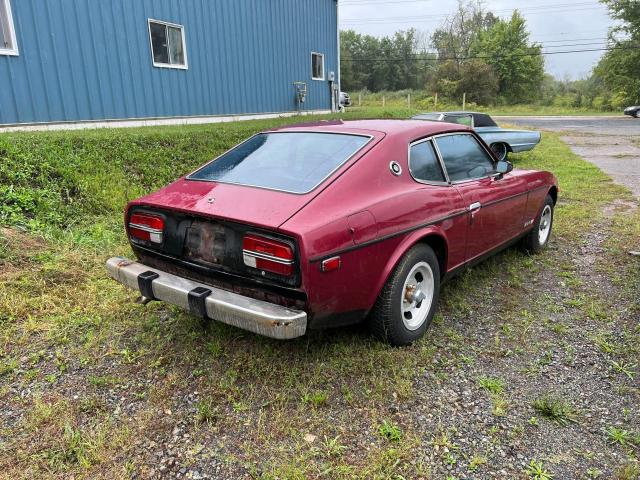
{"x":383,"y":100}
{"x":408,"y":100}
{"x":435,"y":101}
{"x":359,"y":99}
{"x":464,"y":100}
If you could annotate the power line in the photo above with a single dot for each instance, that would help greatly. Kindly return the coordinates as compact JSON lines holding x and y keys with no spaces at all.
{"x":473,"y":57}
{"x":424,"y":19}
{"x":571,"y":40}
{"x":545,"y":8}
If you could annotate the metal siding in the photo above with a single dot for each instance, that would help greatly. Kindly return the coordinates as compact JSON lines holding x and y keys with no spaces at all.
{"x":91,"y":60}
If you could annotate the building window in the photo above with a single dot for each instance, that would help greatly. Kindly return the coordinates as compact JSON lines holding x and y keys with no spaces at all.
{"x":167,"y":44}
{"x":317,"y":66}
{"x":8,"y":43}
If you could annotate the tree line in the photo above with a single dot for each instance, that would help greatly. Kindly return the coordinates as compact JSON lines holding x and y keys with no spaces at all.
{"x":493,"y":61}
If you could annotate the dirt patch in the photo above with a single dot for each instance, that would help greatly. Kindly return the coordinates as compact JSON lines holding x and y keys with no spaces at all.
{"x":619,"y":206}
{"x":617,"y":156}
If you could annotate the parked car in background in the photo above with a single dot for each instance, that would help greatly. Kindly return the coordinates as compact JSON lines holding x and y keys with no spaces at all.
{"x":634,"y":111}
{"x":345,"y":99}
{"x":501,"y":140}
{"x":328,"y":224}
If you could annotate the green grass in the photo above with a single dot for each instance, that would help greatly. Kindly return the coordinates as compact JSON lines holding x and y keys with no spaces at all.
{"x":555,"y":408}
{"x":422,"y":101}
{"x":61,"y":201}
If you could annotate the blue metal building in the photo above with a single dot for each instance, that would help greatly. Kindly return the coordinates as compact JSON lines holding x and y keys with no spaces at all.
{"x":86,"y":60}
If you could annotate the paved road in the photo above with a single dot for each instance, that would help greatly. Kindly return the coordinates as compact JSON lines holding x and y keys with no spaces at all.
{"x":611,"y":143}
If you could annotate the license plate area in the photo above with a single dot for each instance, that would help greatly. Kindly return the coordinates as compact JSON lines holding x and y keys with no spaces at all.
{"x":205,"y":243}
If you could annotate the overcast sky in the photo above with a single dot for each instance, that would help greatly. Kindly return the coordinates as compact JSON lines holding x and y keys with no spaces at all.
{"x":558,"y":24}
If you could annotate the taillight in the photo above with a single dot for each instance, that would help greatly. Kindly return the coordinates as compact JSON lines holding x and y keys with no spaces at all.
{"x":143,"y":226}
{"x":267,"y":254}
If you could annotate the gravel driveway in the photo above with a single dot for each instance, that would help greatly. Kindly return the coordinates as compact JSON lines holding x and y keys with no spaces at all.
{"x":611,"y":143}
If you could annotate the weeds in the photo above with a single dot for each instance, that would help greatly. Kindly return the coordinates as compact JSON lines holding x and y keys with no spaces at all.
{"x":625,"y":368}
{"x":556,"y":409}
{"x":390,"y":431}
{"x":621,"y":437}
{"x":536,"y":471}
{"x":492,"y":385}
{"x":205,"y":411}
{"x":316,"y":399}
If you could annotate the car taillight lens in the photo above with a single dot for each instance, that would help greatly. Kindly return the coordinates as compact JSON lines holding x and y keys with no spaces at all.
{"x":267,"y":254}
{"x":149,"y":228}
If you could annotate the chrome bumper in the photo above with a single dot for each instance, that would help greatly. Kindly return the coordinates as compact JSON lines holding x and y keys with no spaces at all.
{"x":247,"y":313}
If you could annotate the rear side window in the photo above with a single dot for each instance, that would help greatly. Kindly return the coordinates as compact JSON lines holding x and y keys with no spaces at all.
{"x":424,"y":164}
{"x":459,"y":119}
{"x":483,"y":120}
{"x":295,"y":162}
{"x":463,"y":157}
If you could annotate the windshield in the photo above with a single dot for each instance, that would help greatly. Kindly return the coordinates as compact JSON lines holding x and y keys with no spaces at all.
{"x":295,"y":162}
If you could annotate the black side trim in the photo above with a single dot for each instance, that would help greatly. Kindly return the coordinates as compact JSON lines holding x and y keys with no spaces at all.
{"x":416,"y":227}
{"x":510,"y":197}
{"x":145,"y":283}
{"x":387,"y":237}
{"x":197,"y":298}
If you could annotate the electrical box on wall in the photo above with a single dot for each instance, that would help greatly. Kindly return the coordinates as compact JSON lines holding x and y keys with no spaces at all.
{"x":332,"y":76}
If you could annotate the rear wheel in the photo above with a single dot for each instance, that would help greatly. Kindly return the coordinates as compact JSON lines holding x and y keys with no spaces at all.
{"x":538,"y":238}
{"x":409,"y":299}
{"x":501,"y":150}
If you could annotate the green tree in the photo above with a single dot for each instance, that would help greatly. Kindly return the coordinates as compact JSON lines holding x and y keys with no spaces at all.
{"x":454,"y":38}
{"x":518,"y":64}
{"x":619,"y":68}
{"x":387,"y":63}
{"x":474,"y":77}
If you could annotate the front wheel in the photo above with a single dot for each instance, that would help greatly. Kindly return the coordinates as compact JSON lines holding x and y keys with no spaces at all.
{"x":538,"y":238}
{"x":501,"y":150}
{"x":409,"y":299}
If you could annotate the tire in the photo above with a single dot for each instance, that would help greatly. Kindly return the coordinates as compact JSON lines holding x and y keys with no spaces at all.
{"x":501,"y":150}
{"x":635,"y":114}
{"x":394,"y":318}
{"x":538,"y":238}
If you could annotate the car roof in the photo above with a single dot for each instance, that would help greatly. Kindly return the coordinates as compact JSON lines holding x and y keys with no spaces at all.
{"x":386,"y":126}
{"x":454,"y":112}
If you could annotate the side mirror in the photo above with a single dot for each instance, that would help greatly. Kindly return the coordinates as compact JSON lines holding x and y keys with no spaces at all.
{"x":503,"y":167}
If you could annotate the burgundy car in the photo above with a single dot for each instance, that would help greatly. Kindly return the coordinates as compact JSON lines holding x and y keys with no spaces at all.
{"x":329,"y":224}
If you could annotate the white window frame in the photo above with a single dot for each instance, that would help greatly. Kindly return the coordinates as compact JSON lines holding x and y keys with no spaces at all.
{"x":184,"y":44}
{"x":12,"y":31}
{"x":320,"y":55}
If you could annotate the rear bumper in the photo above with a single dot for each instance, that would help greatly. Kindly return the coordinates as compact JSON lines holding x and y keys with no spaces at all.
{"x":204,"y":300}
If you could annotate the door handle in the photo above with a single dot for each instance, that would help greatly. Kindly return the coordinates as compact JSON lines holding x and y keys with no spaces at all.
{"x":473,"y":209}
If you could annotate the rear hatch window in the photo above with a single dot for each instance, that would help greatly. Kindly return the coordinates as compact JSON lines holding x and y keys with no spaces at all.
{"x":294,"y":162}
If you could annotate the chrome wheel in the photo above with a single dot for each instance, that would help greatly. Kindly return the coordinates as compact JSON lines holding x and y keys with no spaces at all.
{"x":417,"y":295}
{"x":500,"y":149}
{"x":545,"y":225}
